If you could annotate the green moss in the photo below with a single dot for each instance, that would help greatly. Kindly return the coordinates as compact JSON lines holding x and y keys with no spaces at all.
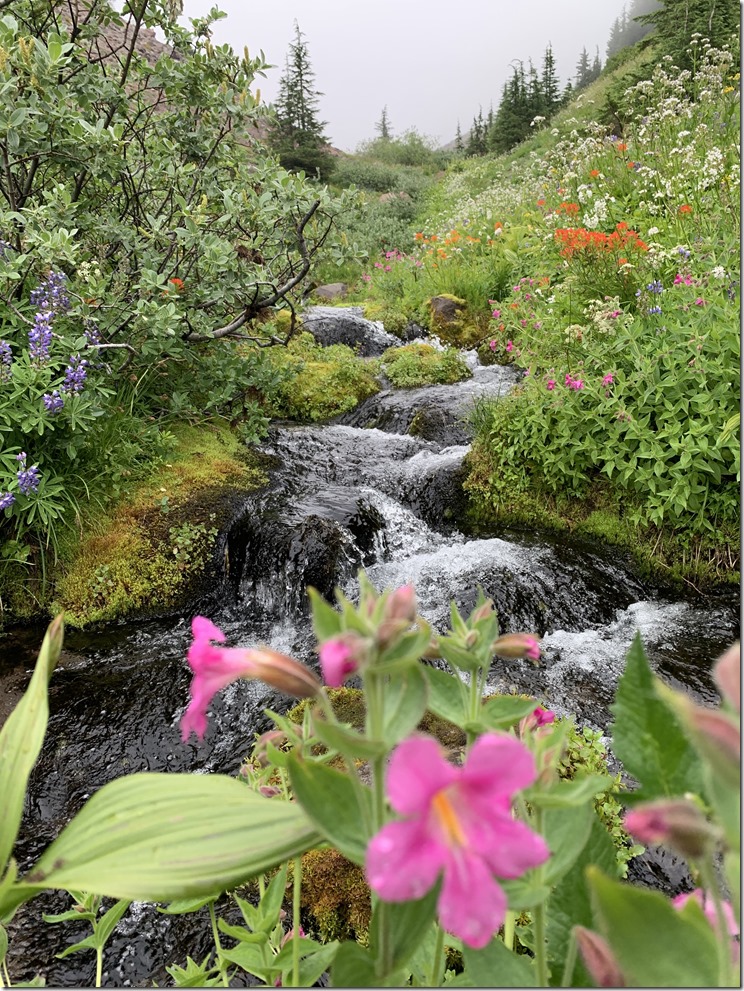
{"x":393,"y":320}
{"x":146,"y":552}
{"x":320,"y":382}
{"x":419,"y":364}
{"x":461,"y":329}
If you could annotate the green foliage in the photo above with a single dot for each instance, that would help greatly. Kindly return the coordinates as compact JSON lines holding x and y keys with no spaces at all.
{"x":127,"y":277}
{"x":665,"y":764}
{"x":419,"y":364}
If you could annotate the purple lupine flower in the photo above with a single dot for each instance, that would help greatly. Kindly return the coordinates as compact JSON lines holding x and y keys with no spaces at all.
{"x":92,"y":333}
{"x":53,"y":402}
{"x":6,"y":360}
{"x":656,"y":286}
{"x":75,"y":374}
{"x":6,"y":500}
{"x":28,"y":479}
{"x":654,"y":310}
{"x":51,"y":294}
{"x":40,"y":336}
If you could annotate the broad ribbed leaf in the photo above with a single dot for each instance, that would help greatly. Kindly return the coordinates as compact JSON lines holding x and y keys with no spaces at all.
{"x":163,"y":837}
{"x":21,"y":739}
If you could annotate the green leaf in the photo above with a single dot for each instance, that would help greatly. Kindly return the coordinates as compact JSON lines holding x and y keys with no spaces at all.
{"x":315,"y":959}
{"x":184,"y":906}
{"x":326,"y":621}
{"x":525,"y":892}
{"x":447,"y":698}
{"x":407,"y":924}
{"x":566,"y":793}
{"x":161,"y":837}
{"x":647,"y":738}
{"x":655,"y":945}
{"x":21,"y":739}
{"x":457,"y":655}
{"x":566,"y":830}
{"x":570,"y":904}
{"x":271,"y":903}
{"x":346,"y":741}
{"x":195,"y":975}
{"x":406,"y":698}
{"x":504,"y":711}
{"x":331,"y":800}
{"x":497,"y":966}
{"x":3,"y":943}
{"x":353,"y":967}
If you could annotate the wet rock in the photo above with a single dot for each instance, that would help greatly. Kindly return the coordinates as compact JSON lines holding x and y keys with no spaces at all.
{"x":331,"y":291}
{"x":446,"y":309}
{"x":346,"y":325}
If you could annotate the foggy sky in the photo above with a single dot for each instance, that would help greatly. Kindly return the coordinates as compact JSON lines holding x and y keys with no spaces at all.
{"x":431,"y":62}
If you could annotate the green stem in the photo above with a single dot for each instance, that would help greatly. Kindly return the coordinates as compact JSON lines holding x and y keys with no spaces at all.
{"x":374,"y":691}
{"x":437,"y":966}
{"x":539,"y":916}
{"x":99,"y":965}
{"x":296,"y":893}
{"x":570,"y":964}
{"x":351,"y":767}
{"x":510,"y":921}
{"x":711,"y":887}
{"x":218,"y":945}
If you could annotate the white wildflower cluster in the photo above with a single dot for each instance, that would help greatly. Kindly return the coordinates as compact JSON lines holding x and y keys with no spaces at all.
{"x":598,"y":216}
{"x":606,"y":315}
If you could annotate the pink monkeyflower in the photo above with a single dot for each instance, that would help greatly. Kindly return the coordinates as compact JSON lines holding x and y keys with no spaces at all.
{"x":708,"y":906}
{"x":216,"y":667}
{"x":340,"y":657}
{"x":517,"y":645}
{"x":539,"y":717}
{"x":569,"y":379}
{"x":550,"y":385}
{"x":675,"y":822}
{"x":700,"y":301}
{"x":496,"y":314}
{"x":608,"y":379}
{"x":509,"y":346}
{"x":457,"y":822}
{"x":492,"y":345}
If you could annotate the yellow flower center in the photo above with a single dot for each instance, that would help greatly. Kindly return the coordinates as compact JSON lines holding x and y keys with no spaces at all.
{"x":448,"y":820}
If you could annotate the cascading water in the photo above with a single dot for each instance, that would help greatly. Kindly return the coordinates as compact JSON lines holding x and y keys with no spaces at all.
{"x":357,"y":493}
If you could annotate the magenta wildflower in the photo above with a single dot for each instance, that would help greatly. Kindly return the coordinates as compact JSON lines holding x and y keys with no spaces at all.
{"x":216,"y":667}
{"x":700,"y":301}
{"x":608,"y":379}
{"x":496,"y":314}
{"x":492,"y":345}
{"x":708,"y":906}
{"x":539,"y":717}
{"x":458,"y":823}
{"x":339,"y":658}
{"x":509,"y":346}
{"x":550,"y":385}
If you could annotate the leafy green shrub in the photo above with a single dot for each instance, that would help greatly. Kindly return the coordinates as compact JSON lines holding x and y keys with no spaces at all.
{"x":419,"y":364}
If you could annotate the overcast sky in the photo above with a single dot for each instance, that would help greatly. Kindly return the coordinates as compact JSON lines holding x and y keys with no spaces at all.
{"x":431,"y":62}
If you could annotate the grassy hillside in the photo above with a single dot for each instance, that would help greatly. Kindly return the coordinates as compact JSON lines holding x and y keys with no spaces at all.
{"x":602,"y":257}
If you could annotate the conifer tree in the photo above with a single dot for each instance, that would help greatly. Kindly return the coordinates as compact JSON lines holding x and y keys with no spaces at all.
{"x":550,"y":84}
{"x":676,"y":21}
{"x":297,"y":135}
{"x":583,"y":70}
{"x":383,"y":125}
{"x":459,"y":146}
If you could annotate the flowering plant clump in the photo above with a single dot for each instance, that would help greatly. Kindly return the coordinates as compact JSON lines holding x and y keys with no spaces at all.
{"x":484,"y":849}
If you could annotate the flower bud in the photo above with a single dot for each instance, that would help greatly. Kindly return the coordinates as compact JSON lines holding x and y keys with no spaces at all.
{"x":484,"y":611}
{"x":284,"y":673}
{"x":341,"y":656}
{"x":517,"y":645}
{"x":727,"y":675}
{"x":275,"y":737}
{"x":675,"y":822}
{"x":540,"y":717}
{"x":269,"y":791}
{"x":401,"y":604}
{"x":598,"y":959}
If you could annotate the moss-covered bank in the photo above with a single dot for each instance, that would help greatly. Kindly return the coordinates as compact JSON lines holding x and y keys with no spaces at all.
{"x":659,"y":553}
{"x":152,"y":549}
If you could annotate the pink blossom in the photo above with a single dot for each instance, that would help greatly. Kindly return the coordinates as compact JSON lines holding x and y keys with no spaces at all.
{"x":497,"y":313}
{"x":608,"y":379}
{"x":216,"y":667}
{"x":457,"y":822}
{"x":550,"y":385}
{"x":615,"y":313}
{"x":539,"y":717}
{"x":338,"y":659}
{"x":517,"y":645}
{"x":509,"y":346}
{"x":492,"y":345}
{"x":708,"y":906}
{"x":700,"y":301}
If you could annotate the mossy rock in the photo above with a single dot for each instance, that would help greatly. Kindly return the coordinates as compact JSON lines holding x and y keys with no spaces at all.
{"x":393,"y":320}
{"x":449,"y":319}
{"x":418,"y":364}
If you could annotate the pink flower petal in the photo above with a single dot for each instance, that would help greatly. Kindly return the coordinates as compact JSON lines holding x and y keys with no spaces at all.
{"x":471,"y":904}
{"x":204,"y":629}
{"x":509,"y":846}
{"x":417,"y":770}
{"x":336,"y":662}
{"x":403,"y":863}
{"x":498,"y":764}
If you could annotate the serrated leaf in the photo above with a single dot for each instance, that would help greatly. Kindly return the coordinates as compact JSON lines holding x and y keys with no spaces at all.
{"x":647,"y":738}
{"x":565,"y":830}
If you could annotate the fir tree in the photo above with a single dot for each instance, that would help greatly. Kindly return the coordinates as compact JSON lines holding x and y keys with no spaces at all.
{"x":459,"y":146}
{"x":550,"y":83}
{"x":297,"y":135}
{"x":383,"y":125}
{"x":583,"y":70}
{"x":676,"y":21}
